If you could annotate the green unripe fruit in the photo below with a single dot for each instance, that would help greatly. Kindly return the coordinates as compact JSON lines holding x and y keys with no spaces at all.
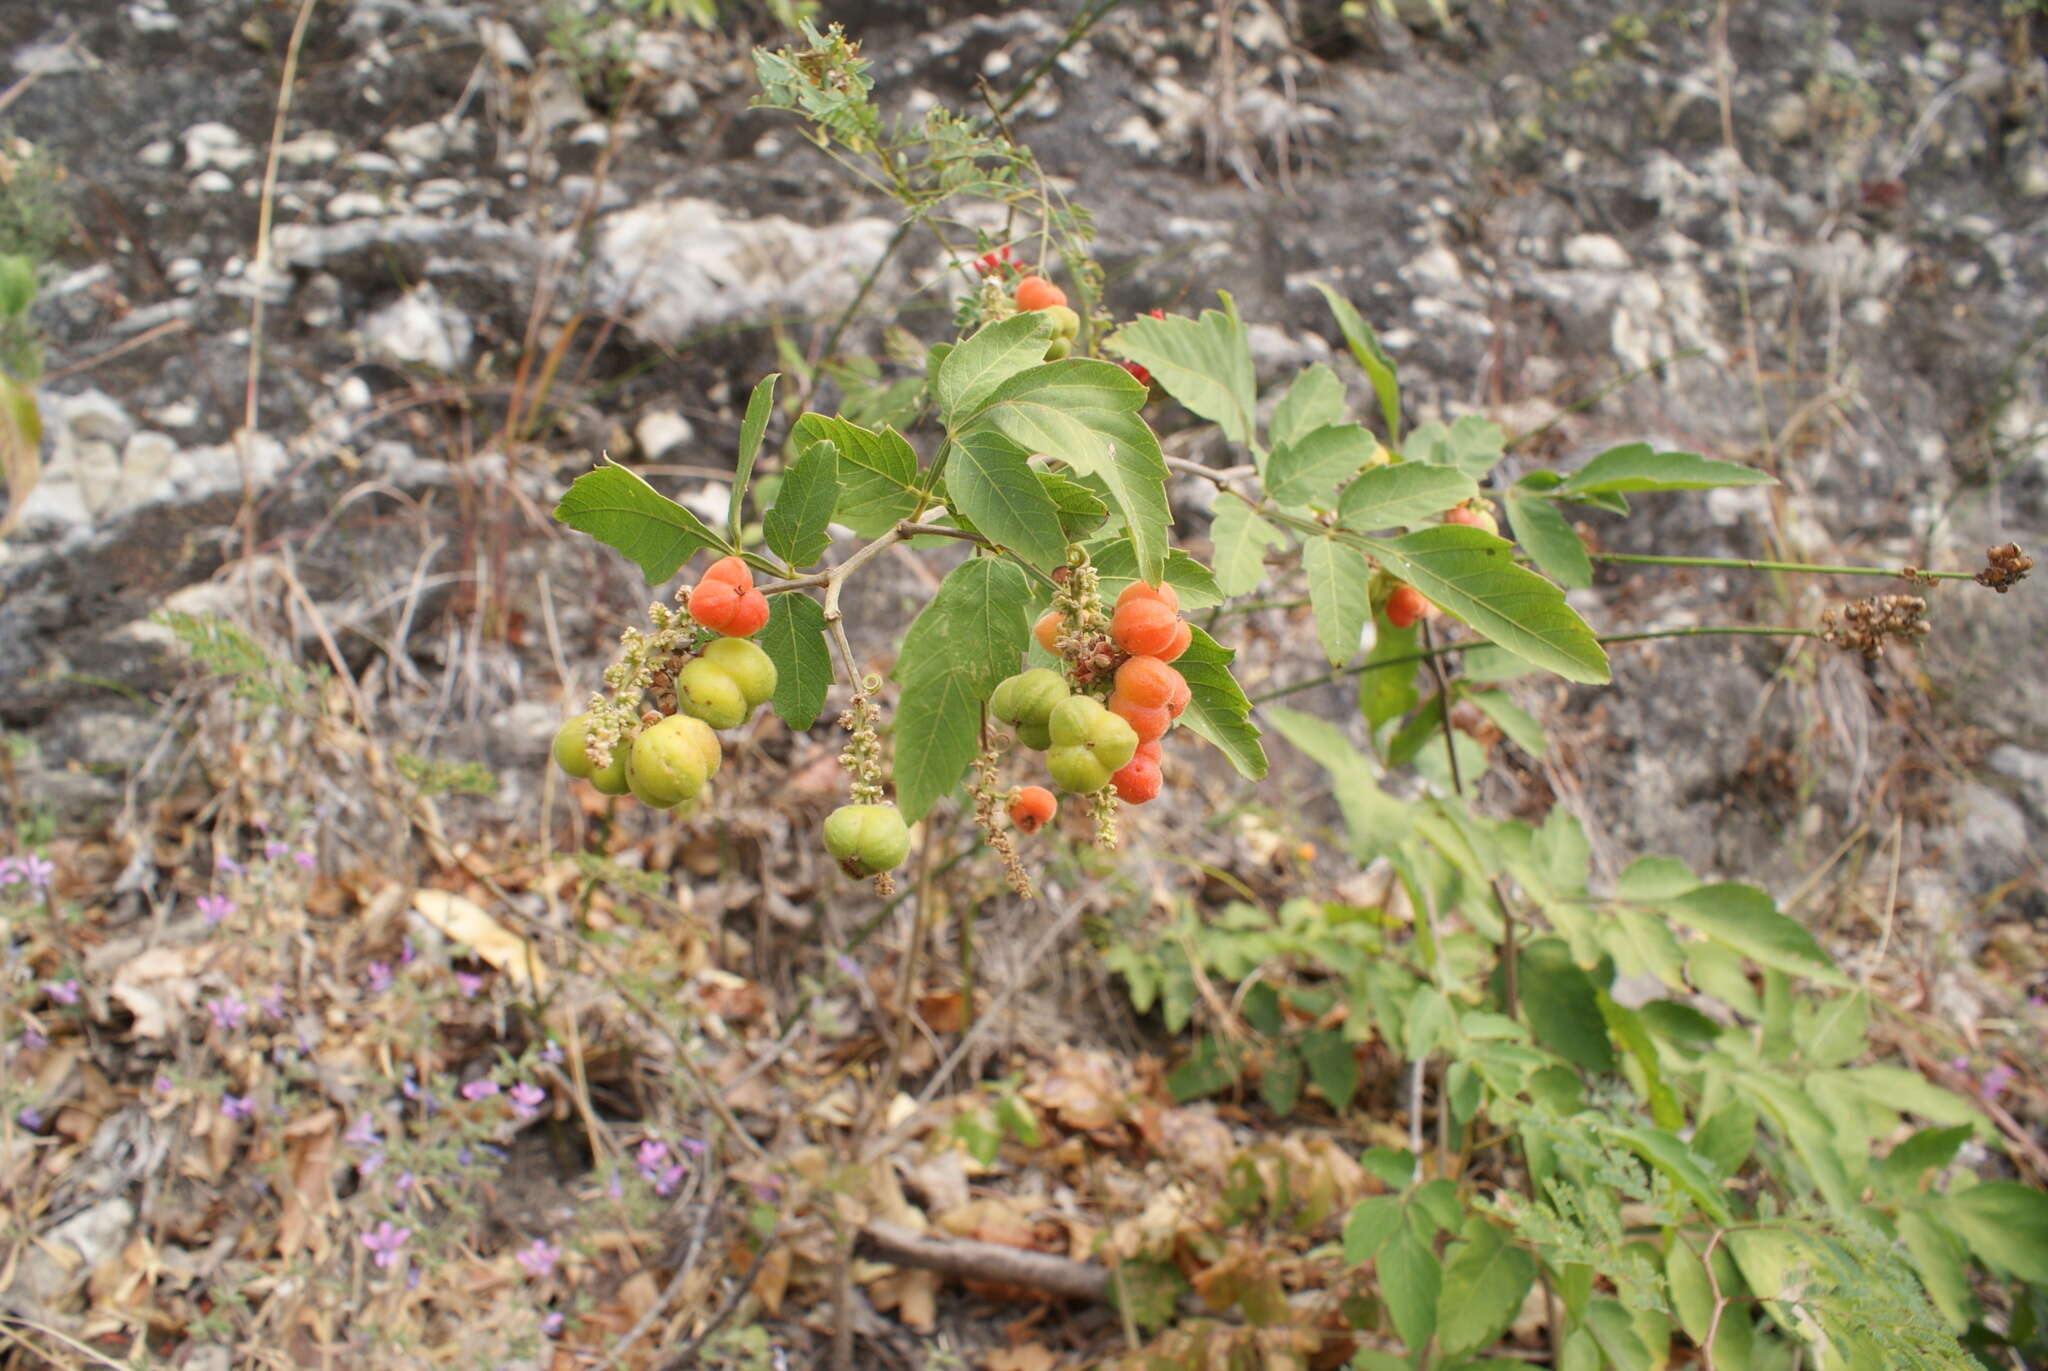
{"x":699,"y":735}
{"x":865,"y":839}
{"x":1037,"y":737}
{"x":17,"y":284}
{"x":571,"y":751}
{"x":1082,"y":721}
{"x":612,"y":780}
{"x":1028,"y":697}
{"x":666,"y":766}
{"x":1058,"y":348}
{"x":750,"y":668}
{"x":707,"y":691}
{"x":1065,"y":323}
{"x":1077,"y":769}
{"x":570,"y":740}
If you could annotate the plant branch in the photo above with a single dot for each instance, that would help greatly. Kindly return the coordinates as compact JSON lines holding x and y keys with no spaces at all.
{"x":1605,"y":640}
{"x":1747,"y":564}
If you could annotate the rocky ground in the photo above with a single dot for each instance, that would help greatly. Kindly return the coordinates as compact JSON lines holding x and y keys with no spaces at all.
{"x":294,"y":380}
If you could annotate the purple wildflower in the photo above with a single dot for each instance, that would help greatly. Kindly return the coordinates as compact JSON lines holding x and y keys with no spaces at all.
{"x":273,"y":850}
{"x":527,"y":1099}
{"x":552,"y":1053}
{"x":380,"y":976}
{"x":384,"y":1241}
{"x":367,"y":1167}
{"x":304,"y":859}
{"x":63,"y":992}
{"x":38,"y":871}
{"x":363,"y":1132}
{"x":226,"y":865}
{"x":614,"y":1188}
{"x":228,"y":1012}
{"x":10,"y":871}
{"x":31,"y":1119}
{"x":552,"y":1324}
{"x":1998,"y":1080}
{"x":34,"y":1039}
{"x":539,"y":1258}
{"x":652,"y":1154}
{"x":469,"y":983}
{"x":164,"y":1085}
{"x":272,"y":1002}
{"x":215,"y":908}
{"x":479,"y":1089}
{"x":237,"y":1106}
{"x":694,"y":1146}
{"x":847,"y":966}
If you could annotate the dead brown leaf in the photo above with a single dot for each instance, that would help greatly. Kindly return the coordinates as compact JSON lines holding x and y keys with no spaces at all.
{"x":1032,"y":1356}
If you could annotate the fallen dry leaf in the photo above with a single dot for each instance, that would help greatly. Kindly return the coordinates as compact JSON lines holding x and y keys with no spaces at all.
{"x":1032,"y":1356}
{"x":311,"y":1157}
{"x":464,"y":921}
{"x":159,"y":987}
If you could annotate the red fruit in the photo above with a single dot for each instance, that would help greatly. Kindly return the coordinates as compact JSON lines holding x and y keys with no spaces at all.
{"x":1148,"y":682}
{"x":1138,"y":373}
{"x":1048,"y":632}
{"x":1033,"y":808}
{"x":1183,"y":637}
{"x":1144,"y":628}
{"x":1473,"y":516}
{"x":1138,"y":782}
{"x":1149,"y":722}
{"x":1157,"y":313}
{"x":1138,"y":590}
{"x":1405,"y":606}
{"x":1150,"y":752}
{"x":725,"y":600}
{"x":1182,"y":696}
{"x":1035,"y":292}
{"x":733,"y":571}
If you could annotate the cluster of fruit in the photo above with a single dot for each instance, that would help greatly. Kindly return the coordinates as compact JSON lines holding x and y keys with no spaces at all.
{"x":1406,"y":604}
{"x":669,"y":762}
{"x":1092,"y":743}
{"x":1035,"y":293}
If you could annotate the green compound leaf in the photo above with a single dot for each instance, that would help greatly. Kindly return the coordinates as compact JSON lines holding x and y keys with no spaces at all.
{"x":1116,"y":566}
{"x":1410,"y":1282}
{"x":760,"y":406}
{"x":971,"y":372}
{"x":1219,"y":710}
{"x":797,"y":528}
{"x":1241,"y":539}
{"x":1471,"y":575}
{"x":1747,"y":919}
{"x":1085,"y":413}
{"x":1404,"y":493}
{"x":1638,"y":466}
{"x":877,"y":473}
{"x":1473,"y":445}
{"x":1315,"y":400}
{"x":620,"y":510}
{"x":989,"y":480}
{"x":1205,"y":363}
{"x":1081,"y":510}
{"x":1307,"y":470}
{"x":794,"y":639}
{"x":2005,"y":1224}
{"x":1485,"y":1281}
{"x":1371,"y":357}
{"x":966,"y":640}
{"x":1337,"y":592}
{"x":1552,"y":543}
